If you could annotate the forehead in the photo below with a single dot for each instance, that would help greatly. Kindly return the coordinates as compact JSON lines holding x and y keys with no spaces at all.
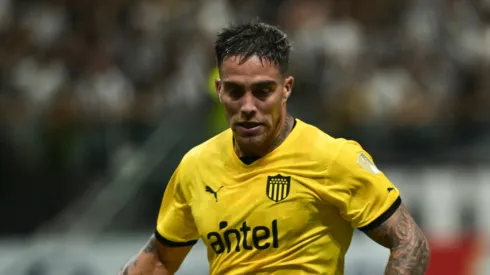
{"x":250,"y":71}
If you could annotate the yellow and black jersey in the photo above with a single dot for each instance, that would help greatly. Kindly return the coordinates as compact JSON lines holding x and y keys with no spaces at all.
{"x":290,"y":212}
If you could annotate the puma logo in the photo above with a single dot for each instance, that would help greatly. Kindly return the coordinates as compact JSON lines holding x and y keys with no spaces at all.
{"x":215,"y":193}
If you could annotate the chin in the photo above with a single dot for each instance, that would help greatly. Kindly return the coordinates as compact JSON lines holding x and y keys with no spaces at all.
{"x":251,"y":142}
{"x":257,"y":140}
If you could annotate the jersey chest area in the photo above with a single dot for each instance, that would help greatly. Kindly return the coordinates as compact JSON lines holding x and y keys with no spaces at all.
{"x":263,"y":211}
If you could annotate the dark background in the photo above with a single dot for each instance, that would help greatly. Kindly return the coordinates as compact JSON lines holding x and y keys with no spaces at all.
{"x":85,"y":85}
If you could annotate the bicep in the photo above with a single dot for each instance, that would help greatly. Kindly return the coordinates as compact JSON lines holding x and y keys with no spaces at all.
{"x":171,"y":256}
{"x":398,"y":230}
{"x":156,"y":258}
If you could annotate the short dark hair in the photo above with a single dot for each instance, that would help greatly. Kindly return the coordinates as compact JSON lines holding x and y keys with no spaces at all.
{"x":255,"y":38}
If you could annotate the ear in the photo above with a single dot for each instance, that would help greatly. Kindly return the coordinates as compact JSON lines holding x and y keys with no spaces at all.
{"x":288,"y":87}
{"x":217,"y":84}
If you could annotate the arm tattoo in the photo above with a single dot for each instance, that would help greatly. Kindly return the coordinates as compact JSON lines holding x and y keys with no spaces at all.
{"x":409,"y":247}
{"x":131,"y":263}
{"x":150,"y":248}
{"x":151,"y":245}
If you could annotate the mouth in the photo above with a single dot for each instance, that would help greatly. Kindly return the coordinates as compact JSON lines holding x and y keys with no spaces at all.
{"x":248,"y":128}
{"x":249,"y":125}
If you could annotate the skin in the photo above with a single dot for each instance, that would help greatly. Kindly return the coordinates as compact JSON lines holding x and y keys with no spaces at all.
{"x":254,"y":91}
{"x":409,"y":248}
{"x":257,"y":92}
{"x":156,"y":259}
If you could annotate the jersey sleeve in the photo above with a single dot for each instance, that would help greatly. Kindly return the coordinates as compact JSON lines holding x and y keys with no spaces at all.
{"x":364,"y":196}
{"x":175,"y":223}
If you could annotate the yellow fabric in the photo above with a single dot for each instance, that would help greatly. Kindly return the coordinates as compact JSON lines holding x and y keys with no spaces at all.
{"x":290,"y":212}
{"x":216,"y":116}
{"x":213,"y":75}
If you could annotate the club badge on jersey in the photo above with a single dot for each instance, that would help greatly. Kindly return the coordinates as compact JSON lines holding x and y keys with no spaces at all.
{"x":278,"y":187}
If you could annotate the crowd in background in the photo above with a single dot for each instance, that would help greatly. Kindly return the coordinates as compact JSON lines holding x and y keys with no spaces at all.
{"x":81,"y":79}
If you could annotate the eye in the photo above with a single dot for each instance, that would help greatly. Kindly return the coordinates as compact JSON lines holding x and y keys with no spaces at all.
{"x":263,"y":92}
{"x":234,"y":92}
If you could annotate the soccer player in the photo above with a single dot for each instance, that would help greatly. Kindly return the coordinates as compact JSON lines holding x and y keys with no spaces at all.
{"x":273,"y":194}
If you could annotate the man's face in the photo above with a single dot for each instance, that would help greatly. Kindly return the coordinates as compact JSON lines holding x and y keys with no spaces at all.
{"x":254,"y":95}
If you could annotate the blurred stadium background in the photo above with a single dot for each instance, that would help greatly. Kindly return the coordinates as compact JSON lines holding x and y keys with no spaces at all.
{"x":99,"y":99}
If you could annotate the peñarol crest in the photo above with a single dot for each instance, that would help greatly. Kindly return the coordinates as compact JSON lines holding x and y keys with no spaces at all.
{"x":278,"y":187}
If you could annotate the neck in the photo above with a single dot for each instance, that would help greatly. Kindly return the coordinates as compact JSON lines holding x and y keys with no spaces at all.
{"x":284,"y":129}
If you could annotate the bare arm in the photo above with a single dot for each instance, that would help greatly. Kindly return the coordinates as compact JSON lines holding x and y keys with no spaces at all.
{"x":406,"y":241}
{"x":156,"y":259}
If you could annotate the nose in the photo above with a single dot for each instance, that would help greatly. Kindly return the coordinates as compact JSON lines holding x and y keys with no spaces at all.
{"x":248,"y":108}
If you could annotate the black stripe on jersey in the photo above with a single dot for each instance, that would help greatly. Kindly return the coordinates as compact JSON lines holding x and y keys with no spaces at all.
{"x":385,"y":216}
{"x":170,"y":243}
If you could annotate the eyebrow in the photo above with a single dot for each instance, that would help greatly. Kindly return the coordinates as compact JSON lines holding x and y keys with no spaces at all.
{"x":258,"y":83}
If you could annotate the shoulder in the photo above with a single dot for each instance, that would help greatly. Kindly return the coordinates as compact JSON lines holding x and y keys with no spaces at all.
{"x":324,"y":147}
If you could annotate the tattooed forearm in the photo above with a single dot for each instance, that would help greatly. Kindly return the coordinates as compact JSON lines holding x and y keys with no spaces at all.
{"x":409,"y":247}
{"x":146,"y":262}
{"x":130,"y":264}
{"x":151,"y":245}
